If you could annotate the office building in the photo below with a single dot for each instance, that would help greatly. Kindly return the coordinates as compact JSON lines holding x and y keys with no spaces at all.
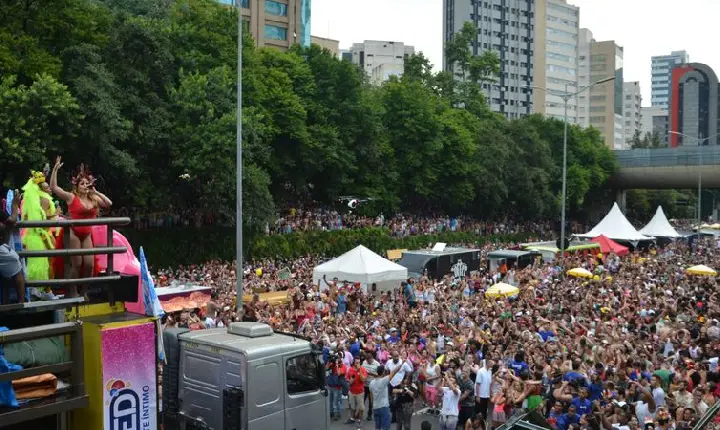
{"x":346,"y":55}
{"x":694,"y":106}
{"x":330,"y":44}
{"x":381,"y":59}
{"x":277,"y":23}
{"x":632,"y":113}
{"x":662,"y":66}
{"x":585,"y":39}
{"x":555,"y":65}
{"x":606,"y":100}
{"x":505,"y":27}
{"x":655,"y":121}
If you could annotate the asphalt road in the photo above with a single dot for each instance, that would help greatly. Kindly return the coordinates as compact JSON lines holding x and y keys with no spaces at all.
{"x":369,"y":425}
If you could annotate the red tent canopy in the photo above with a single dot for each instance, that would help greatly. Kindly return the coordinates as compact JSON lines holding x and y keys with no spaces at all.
{"x":608,"y":245}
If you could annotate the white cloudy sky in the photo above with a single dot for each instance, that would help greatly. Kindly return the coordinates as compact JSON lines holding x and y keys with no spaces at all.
{"x":643,"y":27}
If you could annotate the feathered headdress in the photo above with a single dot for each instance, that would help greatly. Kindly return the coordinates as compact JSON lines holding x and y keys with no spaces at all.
{"x":83,"y":173}
{"x":37,"y":177}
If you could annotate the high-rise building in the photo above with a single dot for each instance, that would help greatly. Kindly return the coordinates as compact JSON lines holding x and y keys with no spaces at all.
{"x":278,"y":23}
{"x":330,"y":44}
{"x":655,"y":121}
{"x":556,"y":58}
{"x":632,"y":109}
{"x":505,"y":27}
{"x":585,"y":40}
{"x":381,"y":59}
{"x":662,"y":66}
{"x":606,"y":100}
{"x":694,"y":106}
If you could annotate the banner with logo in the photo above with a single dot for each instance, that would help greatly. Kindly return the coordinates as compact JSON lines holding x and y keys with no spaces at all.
{"x":129,"y":361}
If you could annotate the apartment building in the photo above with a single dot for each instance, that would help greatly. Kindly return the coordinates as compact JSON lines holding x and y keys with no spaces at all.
{"x":585,"y":39}
{"x":331,"y":45}
{"x":655,"y":119}
{"x":277,"y":23}
{"x":662,"y":66}
{"x":632,"y":110}
{"x":606,"y":100}
{"x":505,"y":27}
{"x":556,"y":58}
{"x":381,"y":59}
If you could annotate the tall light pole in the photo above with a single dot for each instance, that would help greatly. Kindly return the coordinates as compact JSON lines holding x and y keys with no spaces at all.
{"x":238,"y":178}
{"x":566,"y":96}
{"x":700,"y":142}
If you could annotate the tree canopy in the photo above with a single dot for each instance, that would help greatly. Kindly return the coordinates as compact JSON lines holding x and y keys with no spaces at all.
{"x":145,"y":93}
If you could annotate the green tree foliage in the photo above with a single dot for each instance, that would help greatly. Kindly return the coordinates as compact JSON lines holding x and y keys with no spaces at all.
{"x":145,"y":93}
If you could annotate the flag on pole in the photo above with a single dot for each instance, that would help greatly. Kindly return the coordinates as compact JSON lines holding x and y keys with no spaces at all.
{"x":152,"y":304}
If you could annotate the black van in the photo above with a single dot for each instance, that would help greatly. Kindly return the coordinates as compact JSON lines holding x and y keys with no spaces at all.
{"x":440,"y":263}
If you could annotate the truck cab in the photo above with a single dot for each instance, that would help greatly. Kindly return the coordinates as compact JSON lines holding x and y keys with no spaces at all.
{"x":243,"y":377}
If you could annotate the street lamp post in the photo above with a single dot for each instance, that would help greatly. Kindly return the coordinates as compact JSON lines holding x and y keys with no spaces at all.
{"x":238,"y":178}
{"x":566,"y":96}
{"x":700,"y":142}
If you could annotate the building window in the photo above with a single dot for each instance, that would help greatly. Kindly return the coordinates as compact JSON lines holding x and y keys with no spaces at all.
{"x":560,"y":57}
{"x":273,"y":32}
{"x":555,"y":32}
{"x":597,"y":119}
{"x":598,"y":67}
{"x":276,"y":8}
{"x":244,"y":3}
{"x":560,"y":69}
{"x":303,"y":374}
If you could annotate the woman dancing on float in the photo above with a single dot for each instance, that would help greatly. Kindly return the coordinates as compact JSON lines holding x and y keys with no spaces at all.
{"x":83,"y":203}
{"x":38,"y":205}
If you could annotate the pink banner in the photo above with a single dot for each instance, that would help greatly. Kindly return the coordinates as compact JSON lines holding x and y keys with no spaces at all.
{"x":129,"y":360}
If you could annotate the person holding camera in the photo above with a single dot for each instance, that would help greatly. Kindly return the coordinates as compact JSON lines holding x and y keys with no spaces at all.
{"x":405,"y":395}
{"x":336,"y":372}
{"x":450,"y":400}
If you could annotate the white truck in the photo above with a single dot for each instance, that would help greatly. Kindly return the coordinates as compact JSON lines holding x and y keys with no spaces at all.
{"x":244,"y":377}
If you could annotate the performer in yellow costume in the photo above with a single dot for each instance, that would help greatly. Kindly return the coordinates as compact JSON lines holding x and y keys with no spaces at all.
{"x":38,"y":205}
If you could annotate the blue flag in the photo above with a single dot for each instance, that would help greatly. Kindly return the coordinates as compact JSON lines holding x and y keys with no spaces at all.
{"x":153,"y":307}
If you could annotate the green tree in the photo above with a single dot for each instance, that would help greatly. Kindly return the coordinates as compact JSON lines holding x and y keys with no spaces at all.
{"x":33,"y":119}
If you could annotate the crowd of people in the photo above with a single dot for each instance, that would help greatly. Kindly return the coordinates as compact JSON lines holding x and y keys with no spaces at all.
{"x":634,"y":347}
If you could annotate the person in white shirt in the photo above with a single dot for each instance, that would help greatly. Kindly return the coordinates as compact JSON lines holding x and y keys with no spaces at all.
{"x":402,"y":367}
{"x":483,"y":380}
{"x":450,"y":399}
{"x":371,"y":367}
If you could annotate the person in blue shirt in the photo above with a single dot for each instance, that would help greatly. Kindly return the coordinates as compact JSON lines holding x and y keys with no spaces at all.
{"x":341,"y":302}
{"x":565,"y":420}
{"x":518,"y":365}
{"x":394,"y":338}
{"x":409,"y":293}
{"x":596,"y":388}
{"x":579,"y":402}
{"x":354,"y":347}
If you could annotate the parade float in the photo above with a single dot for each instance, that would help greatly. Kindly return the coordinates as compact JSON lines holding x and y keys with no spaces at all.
{"x":78,"y":361}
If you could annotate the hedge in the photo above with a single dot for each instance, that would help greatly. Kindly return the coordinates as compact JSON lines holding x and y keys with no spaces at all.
{"x":168,"y":247}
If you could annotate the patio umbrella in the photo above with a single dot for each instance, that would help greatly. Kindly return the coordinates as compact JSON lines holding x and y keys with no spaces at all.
{"x":502,"y":289}
{"x":579,"y":272}
{"x":700,"y":270}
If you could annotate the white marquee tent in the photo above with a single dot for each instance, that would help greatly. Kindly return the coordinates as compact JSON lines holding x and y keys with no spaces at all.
{"x":360,"y":265}
{"x":659,"y":226}
{"x":616,"y":227}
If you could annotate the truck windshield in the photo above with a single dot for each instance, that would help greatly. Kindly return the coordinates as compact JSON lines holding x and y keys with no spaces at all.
{"x":303,"y":374}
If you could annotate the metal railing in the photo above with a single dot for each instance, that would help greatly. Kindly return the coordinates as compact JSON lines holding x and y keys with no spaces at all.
{"x":662,"y":157}
{"x":67,"y":252}
{"x":76,"y":396}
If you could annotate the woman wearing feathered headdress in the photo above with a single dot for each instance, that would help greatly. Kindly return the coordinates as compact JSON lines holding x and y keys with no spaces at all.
{"x":37,"y":205}
{"x":83,"y":203}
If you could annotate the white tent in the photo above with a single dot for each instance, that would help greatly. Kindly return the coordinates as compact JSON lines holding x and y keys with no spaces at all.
{"x":360,"y":265}
{"x":659,"y":226}
{"x":616,"y":227}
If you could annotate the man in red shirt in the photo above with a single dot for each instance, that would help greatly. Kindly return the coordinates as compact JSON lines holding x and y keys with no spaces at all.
{"x":356,"y":376}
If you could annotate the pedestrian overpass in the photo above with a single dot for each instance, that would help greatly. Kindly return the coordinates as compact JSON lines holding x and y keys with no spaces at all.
{"x":667,"y":168}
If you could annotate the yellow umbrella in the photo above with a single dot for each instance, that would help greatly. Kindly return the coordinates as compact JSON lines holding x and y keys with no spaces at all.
{"x":700,"y":270}
{"x":579,"y":272}
{"x":502,"y":289}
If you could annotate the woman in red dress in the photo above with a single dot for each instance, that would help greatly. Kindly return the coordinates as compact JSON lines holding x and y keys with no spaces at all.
{"x":83,"y":203}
